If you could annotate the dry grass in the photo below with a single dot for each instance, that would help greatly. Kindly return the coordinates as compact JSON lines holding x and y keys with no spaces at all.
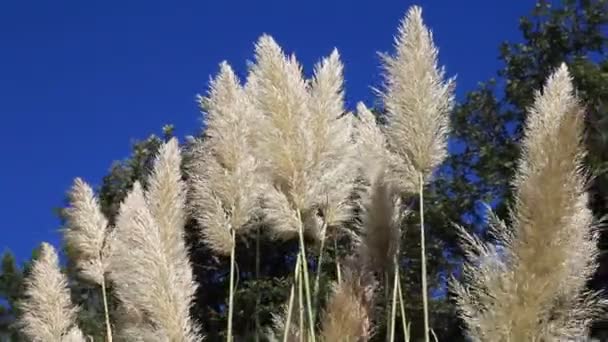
{"x":48,"y":312}
{"x":86,"y":232}
{"x":531,"y":286}
{"x":417,"y":101}
{"x":225,"y":188}
{"x":282,"y":150}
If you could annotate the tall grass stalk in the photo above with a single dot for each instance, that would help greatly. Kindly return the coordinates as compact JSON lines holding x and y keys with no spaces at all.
{"x":338,"y":268}
{"x":394,"y":301}
{"x":418,"y":101}
{"x":301,"y":305}
{"x":306,"y":281}
{"x":106,"y":312}
{"x":320,"y":264}
{"x":406,"y":330}
{"x":257,"y":277}
{"x":387,"y":294}
{"x":425,"y":301}
{"x":231,"y":294}
{"x":291,"y":300}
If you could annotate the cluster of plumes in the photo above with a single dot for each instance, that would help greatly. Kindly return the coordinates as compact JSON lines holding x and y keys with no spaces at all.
{"x":303,"y":141}
{"x":144,"y":256}
{"x":150,"y":268}
{"x":282,"y":150}
{"x":390,"y":164}
{"x":531,"y":284}
{"x":285,"y":145}
{"x":48,"y":312}
{"x":279,"y":147}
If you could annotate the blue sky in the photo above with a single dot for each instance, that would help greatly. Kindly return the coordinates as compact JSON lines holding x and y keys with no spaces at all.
{"x":79,"y":80}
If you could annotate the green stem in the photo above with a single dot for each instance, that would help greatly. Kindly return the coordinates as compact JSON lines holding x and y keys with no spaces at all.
{"x":425,"y":300}
{"x":257,"y":277}
{"x":106,"y":311}
{"x":301,"y":303}
{"x":394,"y":302}
{"x":386,"y":301}
{"x":319,"y":265}
{"x":406,"y":331}
{"x":304,"y":266}
{"x":291,"y":300}
{"x":338,"y":270}
{"x":231,"y":295}
{"x":434,"y":336}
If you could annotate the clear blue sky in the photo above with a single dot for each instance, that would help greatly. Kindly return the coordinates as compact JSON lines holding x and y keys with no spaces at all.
{"x":79,"y":80}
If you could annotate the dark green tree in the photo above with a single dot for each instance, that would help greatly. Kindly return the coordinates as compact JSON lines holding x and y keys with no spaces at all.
{"x":11,"y":280}
{"x":12,"y":276}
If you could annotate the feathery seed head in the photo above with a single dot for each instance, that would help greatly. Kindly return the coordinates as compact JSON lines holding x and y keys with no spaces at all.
{"x":304,"y":139}
{"x":333,"y":151}
{"x":166,"y":196}
{"x":371,"y":144}
{"x":150,"y":267}
{"x":48,"y":312}
{"x":223,"y":172}
{"x":417,"y":99}
{"x":280,"y":215}
{"x":283,"y":143}
{"x":229,"y":116}
{"x":376,"y":161}
{"x":534,"y":286}
{"x":348,"y":313}
{"x":86,"y":232}
{"x":381,"y":220}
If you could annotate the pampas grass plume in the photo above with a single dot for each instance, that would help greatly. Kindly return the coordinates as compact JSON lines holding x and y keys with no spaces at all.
{"x":48,"y":312}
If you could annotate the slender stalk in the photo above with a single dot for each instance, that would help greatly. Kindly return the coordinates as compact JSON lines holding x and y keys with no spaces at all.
{"x":289,"y":310}
{"x":257,"y":277}
{"x":425,"y":300}
{"x":319,"y":265}
{"x":291,"y":300}
{"x":338,"y":270}
{"x":434,"y":336}
{"x":386,"y":300}
{"x":106,"y":311}
{"x":231,"y":295}
{"x":301,"y":302}
{"x":394,"y":302}
{"x":406,"y":332}
{"x":304,"y":267}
